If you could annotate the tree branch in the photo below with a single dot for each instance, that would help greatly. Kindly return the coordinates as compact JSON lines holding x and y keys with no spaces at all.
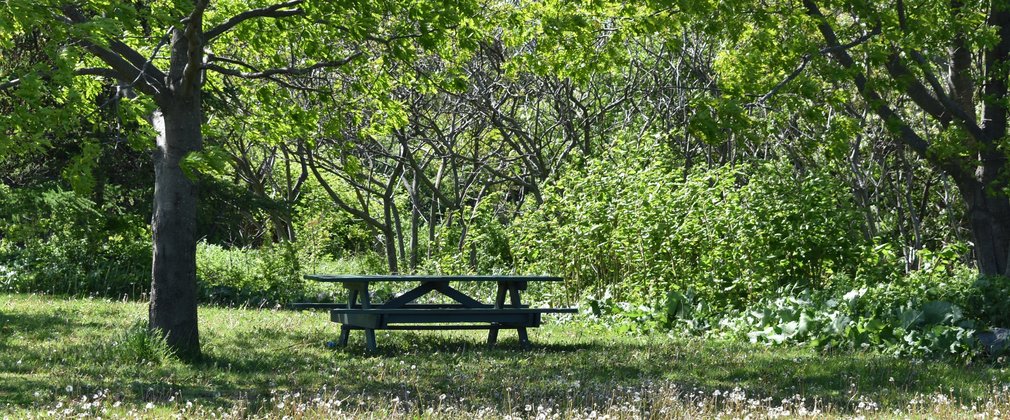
{"x":276,"y":11}
{"x":915,"y":90}
{"x":89,"y":71}
{"x":126,"y":61}
{"x":290,"y":71}
{"x":962,"y":84}
{"x":335,"y":197}
{"x":212,"y":58}
{"x":890,"y":118}
{"x":194,"y":49}
{"x":938,"y":103}
{"x":805,"y":60}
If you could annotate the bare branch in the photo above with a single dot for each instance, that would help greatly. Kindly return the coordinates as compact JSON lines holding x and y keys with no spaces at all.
{"x":290,"y":71}
{"x":805,"y":60}
{"x":781,"y":84}
{"x":98,"y":71}
{"x":276,"y":11}
{"x":880,"y":106}
{"x":10,"y":84}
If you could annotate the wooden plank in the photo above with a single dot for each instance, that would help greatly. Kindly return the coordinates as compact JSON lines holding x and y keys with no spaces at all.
{"x":524,"y":338}
{"x":459,"y":311}
{"x":363,"y":321}
{"x":427,"y":318}
{"x":348,"y":279}
{"x":499,"y":302}
{"x":411,"y":295}
{"x":429,"y":327}
{"x":434,"y":327}
{"x":374,"y":321}
{"x":342,"y":305}
{"x":366,"y":303}
{"x":456,"y":295}
{"x":345,"y":332}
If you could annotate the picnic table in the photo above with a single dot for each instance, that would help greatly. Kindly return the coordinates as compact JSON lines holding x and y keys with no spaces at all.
{"x":402,"y":313}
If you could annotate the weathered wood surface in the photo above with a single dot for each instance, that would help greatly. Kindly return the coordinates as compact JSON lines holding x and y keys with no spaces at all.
{"x":400,"y":313}
{"x":437,"y":278}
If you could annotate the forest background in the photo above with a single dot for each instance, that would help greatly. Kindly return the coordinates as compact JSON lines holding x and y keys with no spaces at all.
{"x":794,"y":172}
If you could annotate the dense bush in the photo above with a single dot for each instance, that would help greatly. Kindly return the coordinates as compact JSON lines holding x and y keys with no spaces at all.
{"x":270,"y":275}
{"x":257,"y":276}
{"x":730,"y":234}
{"x":922,"y":314}
{"x":56,"y":241}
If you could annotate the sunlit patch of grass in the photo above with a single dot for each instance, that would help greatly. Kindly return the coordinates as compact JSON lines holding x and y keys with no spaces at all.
{"x":62,"y":358}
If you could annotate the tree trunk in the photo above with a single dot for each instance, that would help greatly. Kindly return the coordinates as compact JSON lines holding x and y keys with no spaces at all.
{"x":390,"y":239}
{"x":282,"y":226}
{"x":173,"y":307}
{"x":989,"y":220}
{"x":389,"y":231}
{"x":415,"y":219}
{"x":399,"y":229}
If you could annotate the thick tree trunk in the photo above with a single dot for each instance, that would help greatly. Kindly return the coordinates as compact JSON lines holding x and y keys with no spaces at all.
{"x":173,"y":307}
{"x":989,"y":220}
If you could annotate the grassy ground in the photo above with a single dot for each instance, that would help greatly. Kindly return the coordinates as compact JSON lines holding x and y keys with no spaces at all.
{"x":63,"y":358}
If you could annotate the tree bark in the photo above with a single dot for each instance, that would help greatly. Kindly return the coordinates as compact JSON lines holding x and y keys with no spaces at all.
{"x":390,"y":242}
{"x":415,"y":219}
{"x":173,"y":306}
{"x":989,"y":221}
{"x":398,"y":225}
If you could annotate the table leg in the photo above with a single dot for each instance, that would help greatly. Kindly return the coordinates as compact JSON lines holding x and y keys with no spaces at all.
{"x":524,"y":339}
{"x":345,"y":331}
{"x":499,"y":302}
{"x":366,"y":303}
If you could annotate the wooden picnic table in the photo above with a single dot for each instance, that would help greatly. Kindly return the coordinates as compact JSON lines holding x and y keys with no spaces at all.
{"x":401,"y":313}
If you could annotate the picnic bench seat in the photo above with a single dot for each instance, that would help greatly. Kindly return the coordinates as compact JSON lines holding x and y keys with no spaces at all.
{"x":381,"y":318}
{"x":401,"y":313}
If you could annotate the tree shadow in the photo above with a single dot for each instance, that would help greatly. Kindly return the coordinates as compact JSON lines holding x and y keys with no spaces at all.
{"x":37,"y":326}
{"x":422,"y":342}
{"x":248,"y":364}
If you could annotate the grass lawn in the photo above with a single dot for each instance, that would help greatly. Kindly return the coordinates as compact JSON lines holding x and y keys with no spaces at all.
{"x":62,"y":358}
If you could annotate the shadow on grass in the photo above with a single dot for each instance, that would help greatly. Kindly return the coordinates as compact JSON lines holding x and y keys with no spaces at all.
{"x":37,"y":327}
{"x":256,"y":359}
{"x":421,"y":342}
{"x":840,"y":378}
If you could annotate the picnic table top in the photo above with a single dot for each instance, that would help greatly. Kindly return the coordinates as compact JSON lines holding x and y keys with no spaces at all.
{"x":358,"y":278}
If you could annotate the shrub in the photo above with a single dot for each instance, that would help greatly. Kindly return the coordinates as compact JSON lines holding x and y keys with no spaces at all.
{"x":249,"y":276}
{"x":57,"y":242}
{"x":138,"y":344}
{"x":271,"y":275}
{"x":729,"y":234}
